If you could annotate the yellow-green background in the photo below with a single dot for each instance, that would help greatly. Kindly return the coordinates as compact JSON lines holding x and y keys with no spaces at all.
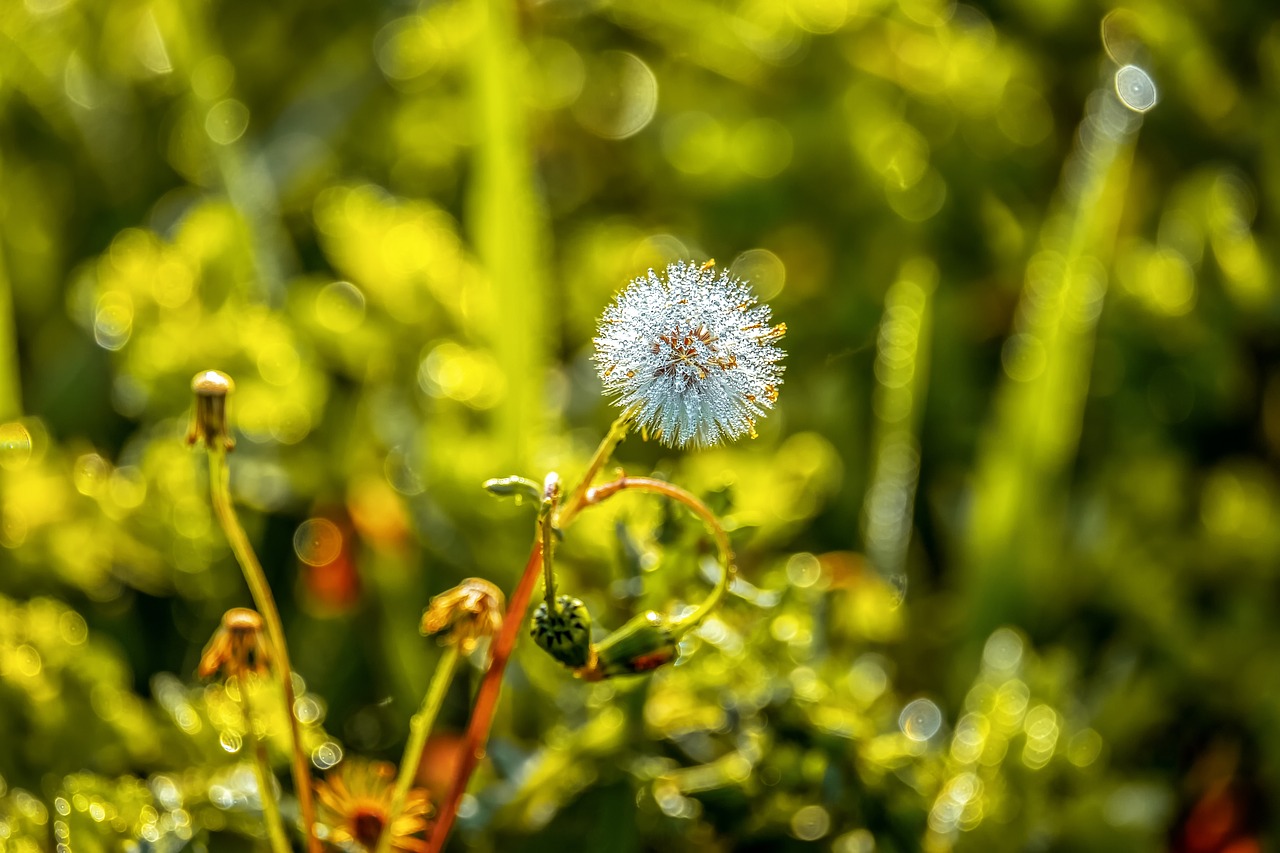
{"x":395,"y":224}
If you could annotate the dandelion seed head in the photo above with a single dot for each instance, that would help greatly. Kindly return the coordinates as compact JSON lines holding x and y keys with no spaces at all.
{"x":691,"y":353}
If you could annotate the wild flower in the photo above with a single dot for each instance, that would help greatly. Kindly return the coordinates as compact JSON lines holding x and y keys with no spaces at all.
{"x":690,"y":354}
{"x":355,"y":802}
{"x":469,"y":612}
{"x":239,"y":645}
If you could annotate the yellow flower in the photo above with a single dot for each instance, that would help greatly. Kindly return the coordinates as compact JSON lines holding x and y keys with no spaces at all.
{"x":470,"y":611}
{"x":355,"y":800}
{"x":237,"y":646}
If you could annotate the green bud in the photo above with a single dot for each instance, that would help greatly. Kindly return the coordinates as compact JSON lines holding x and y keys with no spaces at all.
{"x":514,"y":487}
{"x":565,"y":634}
{"x":643,"y":644}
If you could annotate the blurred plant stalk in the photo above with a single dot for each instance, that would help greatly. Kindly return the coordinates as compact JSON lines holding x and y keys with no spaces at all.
{"x":211,"y":429}
{"x":419,"y":731}
{"x":508,"y":227}
{"x":266,"y":778}
{"x":902,"y":368}
{"x":10,"y":380}
{"x":1021,"y":478}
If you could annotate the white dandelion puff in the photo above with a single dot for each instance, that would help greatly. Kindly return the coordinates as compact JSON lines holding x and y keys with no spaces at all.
{"x":690,"y":354}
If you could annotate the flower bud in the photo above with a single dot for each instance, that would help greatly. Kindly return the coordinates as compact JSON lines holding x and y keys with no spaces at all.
{"x":238,"y":645}
{"x":643,"y":644}
{"x":469,"y":612}
{"x":209,"y":424}
{"x":565,"y":634}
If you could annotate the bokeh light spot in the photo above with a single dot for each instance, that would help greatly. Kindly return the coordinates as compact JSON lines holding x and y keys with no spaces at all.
{"x":810,"y":823}
{"x":212,"y":77}
{"x":113,"y":320}
{"x":803,"y":570}
{"x":1023,"y":357}
{"x":317,"y":541}
{"x":762,"y":147}
{"x":408,"y":47}
{"x":72,"y":628}
{"x":127,"y":487}
{"x":326,"y":755}
{"x":226,"y":121}
{"x":279,"y":363}
{"x":920,"y":720}
{"x":858,"y":841}
{"x":340,"y":307}
{"x":919,"y":201}
{"x":694,"y":142}
{"x":558,"y":72}
{"x":763,"y":270}
{"x":1084,"y":748}
{"x":1003,"y":650}
{"x":620,"y":96}
{"x":1136,"y":89}
{"x":15,"y":446}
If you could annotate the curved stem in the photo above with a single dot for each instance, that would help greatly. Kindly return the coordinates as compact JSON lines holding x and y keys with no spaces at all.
{"x":266,"y":778}
{"x":487,"y":699}
{"x":617,"y":432}
{"x":419,"y":729}
{"x":700,"y":509}
{"x":220,"y":489}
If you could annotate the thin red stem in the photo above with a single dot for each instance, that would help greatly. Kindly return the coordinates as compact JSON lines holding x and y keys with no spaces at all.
{"x":487,"y":699}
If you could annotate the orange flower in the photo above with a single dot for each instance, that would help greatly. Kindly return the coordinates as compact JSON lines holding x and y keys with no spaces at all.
{"x":355,"y":800}
{"x":237,"y":647}
{"x":470,"y":611}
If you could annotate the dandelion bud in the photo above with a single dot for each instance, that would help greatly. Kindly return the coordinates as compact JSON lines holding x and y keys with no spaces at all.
{"x":565,"y":634}
{"x":237,"y":646}
{"x":209,"y":424}
{"x":643,"y":644}
{"x":469,"y":612}
{"x":690,"y":355}
{"x":516,"y":487}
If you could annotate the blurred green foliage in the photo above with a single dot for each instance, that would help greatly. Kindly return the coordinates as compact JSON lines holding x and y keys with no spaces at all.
{"x":1009,"y":543}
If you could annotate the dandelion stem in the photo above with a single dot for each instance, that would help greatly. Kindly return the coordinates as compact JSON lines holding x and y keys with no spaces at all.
{"x":10,"y":383}
{"x":266,"y":778}
{"x":419,"y":729}
{"x":617,"y":432}
{"x":700,"y":509}
{"x":487,"y":699}
{"x":220,"y":490}
{"x":548,"y":576}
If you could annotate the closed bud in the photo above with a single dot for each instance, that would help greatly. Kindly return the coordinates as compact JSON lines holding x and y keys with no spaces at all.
{"x":209,"y":424}
{"x":238,"y":646}
{"x":466,"y":614}
{"x":513,"y":487}
{"x":643,"y":644}
{"x":564,"y":633}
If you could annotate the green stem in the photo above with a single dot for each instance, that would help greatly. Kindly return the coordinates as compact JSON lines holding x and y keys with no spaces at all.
{"x":220,"y":489}
{"x":486,"y":701}
{"x":10,"y":384}
{"x":419,"y":729}
{"x":617,"y":432}
{"x":266,"y":778}
{"x":548,"y":576}
{"x":700,"y":509}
